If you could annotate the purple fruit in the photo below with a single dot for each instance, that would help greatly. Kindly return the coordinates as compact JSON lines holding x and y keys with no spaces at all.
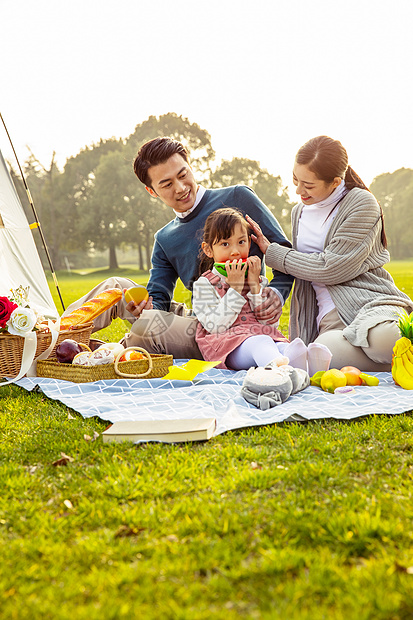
{"x":66,"y":351}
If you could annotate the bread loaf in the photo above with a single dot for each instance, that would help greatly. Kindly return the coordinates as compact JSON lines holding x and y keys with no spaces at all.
{"x":91,"y":309}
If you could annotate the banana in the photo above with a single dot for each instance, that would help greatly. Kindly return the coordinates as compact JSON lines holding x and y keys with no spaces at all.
{"x":401,"y":346}
{"x":394,"y":365}
{"x":400,"y":375}
{"x":409,"y":373}
{"x":406,"y":362}
{"x":402,"y":363}
{"x":409,"y":356}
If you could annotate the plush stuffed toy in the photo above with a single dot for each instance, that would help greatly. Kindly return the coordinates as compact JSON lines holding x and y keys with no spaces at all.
{"x":268,"y":387}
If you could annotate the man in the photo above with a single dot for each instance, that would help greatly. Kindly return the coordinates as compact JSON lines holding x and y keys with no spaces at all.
{"x":162,"y":325}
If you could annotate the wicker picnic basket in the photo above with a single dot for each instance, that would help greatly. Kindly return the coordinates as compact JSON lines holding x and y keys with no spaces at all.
{"x":154,"y":366}
{"x":11,"y":347}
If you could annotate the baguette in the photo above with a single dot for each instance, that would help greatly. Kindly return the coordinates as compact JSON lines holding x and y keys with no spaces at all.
{"x":91,"y":309}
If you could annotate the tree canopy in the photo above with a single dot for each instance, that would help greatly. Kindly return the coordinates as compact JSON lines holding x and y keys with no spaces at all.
{"x":97,"y":203}
{"x":268,"y":187}
{"x":394,"y":191}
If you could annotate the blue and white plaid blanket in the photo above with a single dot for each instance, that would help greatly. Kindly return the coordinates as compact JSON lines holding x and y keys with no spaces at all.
{"x":216,"y":393}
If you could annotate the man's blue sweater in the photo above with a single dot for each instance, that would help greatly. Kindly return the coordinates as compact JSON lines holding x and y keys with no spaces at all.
{"x":177,"y":245}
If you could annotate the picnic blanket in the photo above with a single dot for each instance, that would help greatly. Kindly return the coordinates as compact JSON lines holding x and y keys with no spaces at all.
{"x":216,"y":393}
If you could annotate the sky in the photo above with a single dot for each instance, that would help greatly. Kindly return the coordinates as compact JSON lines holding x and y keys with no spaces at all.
{"x":261,"y":77}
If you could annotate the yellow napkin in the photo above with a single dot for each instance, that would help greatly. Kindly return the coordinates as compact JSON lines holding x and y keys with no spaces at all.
{"x":189,"y":370}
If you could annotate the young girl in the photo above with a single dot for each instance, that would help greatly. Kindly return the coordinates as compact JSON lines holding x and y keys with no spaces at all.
{"x":224,"y":305}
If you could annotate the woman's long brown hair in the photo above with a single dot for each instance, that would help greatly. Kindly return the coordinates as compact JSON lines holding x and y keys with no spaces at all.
{"x":328,"y":159}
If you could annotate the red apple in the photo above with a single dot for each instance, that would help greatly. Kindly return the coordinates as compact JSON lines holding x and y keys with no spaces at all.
{"x":66,"y":351}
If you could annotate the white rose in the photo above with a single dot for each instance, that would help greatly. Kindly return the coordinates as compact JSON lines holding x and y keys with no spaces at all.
{"x":21,"y":321}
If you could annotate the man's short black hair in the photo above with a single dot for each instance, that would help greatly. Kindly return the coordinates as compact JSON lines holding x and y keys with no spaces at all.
{"x":155,"y":152}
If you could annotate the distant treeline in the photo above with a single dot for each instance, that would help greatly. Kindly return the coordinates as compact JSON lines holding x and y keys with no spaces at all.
{"x":97,"y":204}
{"x":394,"y":191}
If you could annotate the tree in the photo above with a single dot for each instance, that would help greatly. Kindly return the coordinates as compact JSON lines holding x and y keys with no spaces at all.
{"x":78,"y":174}
{"x":394,"y":191}
{"x":195,"y":139}
{"x":54,"y":218}
{"x":108,"y":220}
{"x":148,"y":216}
{"x":268,"y":187}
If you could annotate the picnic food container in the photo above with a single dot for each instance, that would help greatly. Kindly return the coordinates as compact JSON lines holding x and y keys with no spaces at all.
{"x":11,"y":347}
{"x":153,"y":366}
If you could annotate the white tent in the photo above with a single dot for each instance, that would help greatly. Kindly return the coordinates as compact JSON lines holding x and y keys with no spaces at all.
{"x":19,"y":260}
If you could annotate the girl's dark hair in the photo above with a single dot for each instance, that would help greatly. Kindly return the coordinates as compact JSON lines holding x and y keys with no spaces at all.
{"x":328,"y":159}
{"x":220,"y":225}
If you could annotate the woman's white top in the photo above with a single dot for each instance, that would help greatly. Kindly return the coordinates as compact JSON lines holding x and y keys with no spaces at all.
{"x":313,"y":226}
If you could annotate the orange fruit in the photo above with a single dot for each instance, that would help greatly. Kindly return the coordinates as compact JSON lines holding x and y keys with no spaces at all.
{"x":350,"y":369}
{"x":129,"y":356}
{"x":352,"y":378}
{"x":136,"y":294}
{"x":352,"y":375}
{"x":333,"y":379}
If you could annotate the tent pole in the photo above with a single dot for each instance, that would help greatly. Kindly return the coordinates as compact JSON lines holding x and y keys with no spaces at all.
{"x":37,"y":222}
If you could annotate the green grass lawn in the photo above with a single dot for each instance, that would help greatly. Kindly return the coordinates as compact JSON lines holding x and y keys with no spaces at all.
{"x":293,"y":521}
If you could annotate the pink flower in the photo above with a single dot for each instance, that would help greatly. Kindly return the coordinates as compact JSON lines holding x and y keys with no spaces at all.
{"x":6,"y":308}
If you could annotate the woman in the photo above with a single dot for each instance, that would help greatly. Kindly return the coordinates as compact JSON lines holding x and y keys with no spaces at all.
{"x":343,"y":298}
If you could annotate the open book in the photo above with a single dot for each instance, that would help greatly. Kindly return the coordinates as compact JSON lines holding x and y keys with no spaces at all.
{"x":166,"y":431}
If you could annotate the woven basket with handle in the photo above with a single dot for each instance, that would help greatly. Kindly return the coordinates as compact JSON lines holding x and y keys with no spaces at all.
{"x":154,"y":366}
{"x":11,"y":347}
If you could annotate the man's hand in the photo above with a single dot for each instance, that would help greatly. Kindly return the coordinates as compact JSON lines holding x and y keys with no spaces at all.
{"x":136,"y":309}
{"x":270,"y":310}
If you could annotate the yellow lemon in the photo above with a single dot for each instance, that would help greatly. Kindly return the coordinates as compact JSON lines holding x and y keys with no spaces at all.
{"x":333,"y":379}
{"x":316,"y":378}
{"x":136,"y":294}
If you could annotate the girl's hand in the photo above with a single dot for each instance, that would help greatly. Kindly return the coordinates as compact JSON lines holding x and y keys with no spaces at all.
{"x":253,"y":276}
{"x":258,"y":237}
{"x":236,"y":274}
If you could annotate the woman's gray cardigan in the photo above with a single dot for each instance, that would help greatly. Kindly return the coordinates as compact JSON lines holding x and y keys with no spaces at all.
{"x":351,"y":266}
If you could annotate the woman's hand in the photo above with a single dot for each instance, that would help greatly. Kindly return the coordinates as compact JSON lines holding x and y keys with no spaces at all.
{"x":253,"y":276}
{"x":236,"y":274}
{"x":258,"y":237}
{"x":136,"y":309}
